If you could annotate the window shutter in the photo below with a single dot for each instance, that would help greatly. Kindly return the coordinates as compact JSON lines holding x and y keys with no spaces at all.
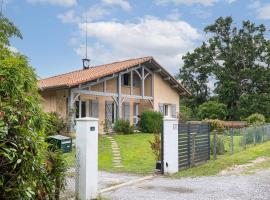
{"x":126,"y":111}
{"x":173,"y":110}
{"x":161,"y":108}
{"x":94,"y":106}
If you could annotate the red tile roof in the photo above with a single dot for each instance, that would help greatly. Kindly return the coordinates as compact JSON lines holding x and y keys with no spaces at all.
{"x":74,"y":78}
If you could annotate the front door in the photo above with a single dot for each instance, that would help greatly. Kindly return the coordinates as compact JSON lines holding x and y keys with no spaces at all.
{"x":135,"y":113}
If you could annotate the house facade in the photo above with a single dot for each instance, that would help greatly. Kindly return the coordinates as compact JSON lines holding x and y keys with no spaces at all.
{"x":120,"y":90}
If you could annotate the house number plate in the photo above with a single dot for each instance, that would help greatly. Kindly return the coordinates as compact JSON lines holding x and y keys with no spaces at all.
{"x":92,"y":128}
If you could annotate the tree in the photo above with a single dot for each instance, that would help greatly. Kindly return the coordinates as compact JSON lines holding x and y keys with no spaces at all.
{"x":236,"y":59}
{"x":24,"y":170}
{"x":212,"y":110}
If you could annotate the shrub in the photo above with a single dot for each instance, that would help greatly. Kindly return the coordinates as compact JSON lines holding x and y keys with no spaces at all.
{"x":256,"y":119}
{"x":220,"y":147}
{"x":212,"y":110}
{"x":215,"y":124}
{"x":151,"y":122}
{"x":54,"y":124}
{"x":156,"y":147}
{"x":185,"y":113}
{"x":123,"y":126}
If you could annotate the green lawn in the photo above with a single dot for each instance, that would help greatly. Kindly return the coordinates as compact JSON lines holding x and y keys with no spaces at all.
{"x":135,"y":151}
{"x":213,"y":167}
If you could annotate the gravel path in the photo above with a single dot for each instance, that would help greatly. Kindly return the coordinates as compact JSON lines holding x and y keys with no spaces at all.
{"x":233,"y":187}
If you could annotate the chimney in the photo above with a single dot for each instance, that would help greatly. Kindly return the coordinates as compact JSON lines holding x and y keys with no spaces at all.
{"x":86,"y":63}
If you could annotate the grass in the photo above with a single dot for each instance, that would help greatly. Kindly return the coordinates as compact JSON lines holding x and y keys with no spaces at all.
{"x":137,"y":156}
{"x":213,"y":167}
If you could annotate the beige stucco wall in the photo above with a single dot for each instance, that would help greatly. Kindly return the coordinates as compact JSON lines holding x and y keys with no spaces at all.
{"x":164,"y":94}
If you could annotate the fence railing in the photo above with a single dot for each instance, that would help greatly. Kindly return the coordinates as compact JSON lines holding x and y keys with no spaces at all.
{"x":235,"y":140}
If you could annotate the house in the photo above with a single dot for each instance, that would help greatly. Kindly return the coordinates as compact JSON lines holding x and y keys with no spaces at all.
{"x":112,"y":91}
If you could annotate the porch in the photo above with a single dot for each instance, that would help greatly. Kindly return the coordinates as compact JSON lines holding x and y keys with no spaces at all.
{"x":123,"y":95}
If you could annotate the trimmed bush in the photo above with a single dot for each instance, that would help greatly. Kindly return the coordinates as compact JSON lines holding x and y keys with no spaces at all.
{"x":54,"y":124}
{"x":256,"y":119}
{"x":212,"y":110}
{"x":123,"y":126}
{"x":215,"y":124}
{"x":151,"y":122}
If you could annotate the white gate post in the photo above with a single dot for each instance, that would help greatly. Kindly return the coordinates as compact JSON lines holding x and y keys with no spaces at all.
{"x":87,"y":158}
{"x":170,"y":145}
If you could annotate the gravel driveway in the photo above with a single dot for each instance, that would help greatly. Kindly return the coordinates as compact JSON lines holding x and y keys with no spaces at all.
{"x":233,"y":187}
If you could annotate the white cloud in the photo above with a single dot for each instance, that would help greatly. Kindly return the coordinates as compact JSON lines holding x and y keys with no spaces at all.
{"x":93,"y":13}
{"x":65,"y":3}
{"x":263,"y":12}
{"x":69,"y":17}
{"x":187,"y":2}
{"x":166,"y":40}
{"x":230,"y":1}
{"x":124,"y":4}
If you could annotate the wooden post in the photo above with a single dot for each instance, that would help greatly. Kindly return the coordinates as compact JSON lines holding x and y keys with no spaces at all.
{"x":71,"y":111}
{"x":232,"y":145}
{"x":119,"y":97}
{"x":193,"y":149}
{"x":131,"y":82}
{"x":142,"y":86}
{"x":215,"y":145}
{"x":80,"y":107}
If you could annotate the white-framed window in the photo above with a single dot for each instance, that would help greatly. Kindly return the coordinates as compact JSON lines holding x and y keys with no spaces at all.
{"x":166,"y":110}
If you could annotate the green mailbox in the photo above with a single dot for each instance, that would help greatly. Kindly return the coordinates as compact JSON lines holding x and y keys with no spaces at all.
{"x":61,"y":142}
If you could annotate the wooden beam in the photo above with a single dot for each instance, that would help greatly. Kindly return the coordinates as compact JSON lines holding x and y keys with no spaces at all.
{"x":138,"y":73}
{"x":146,"y":75}
{"x":158,"y":70}
{"x":100,"y":80}
{"x":148,"y":70}
{"x":167,"y":78}
{"x":108,"y":94}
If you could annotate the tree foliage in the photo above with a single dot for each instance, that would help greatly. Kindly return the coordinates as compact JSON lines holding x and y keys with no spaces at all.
{"x":235,"y":58}
{"x":212,"y":110}
{"x":23,"y":152}
{"x":256,"y":119}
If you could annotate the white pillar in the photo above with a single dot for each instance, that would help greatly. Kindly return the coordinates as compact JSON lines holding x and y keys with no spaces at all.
{"x":170,"y":145}
{"x":87,"y":158}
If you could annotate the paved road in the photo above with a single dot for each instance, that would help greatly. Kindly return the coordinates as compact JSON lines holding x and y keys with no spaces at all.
{"x":234,"y":187}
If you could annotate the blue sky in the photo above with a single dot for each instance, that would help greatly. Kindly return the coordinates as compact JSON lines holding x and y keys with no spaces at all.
{"x":54,"y":30}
